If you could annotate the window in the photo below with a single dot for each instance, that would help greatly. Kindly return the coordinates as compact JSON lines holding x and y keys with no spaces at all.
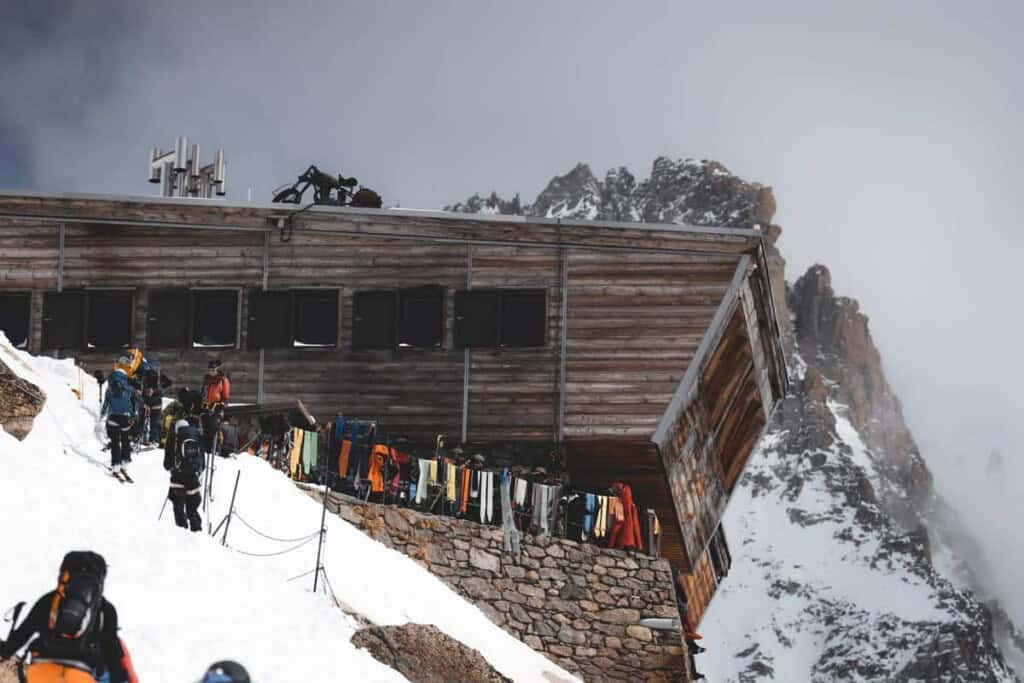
{"x":406,"y":318}
{"x":214,"y":318}
{"x":167,"y":320}
{"x":15,"y":316}
{"x":523,"y":317}
{"x":374,"y":320}
{"x":296,"y":318}
{"x":270,"y":319}
{"x":421,"y":317}
{"x":507,"y":317}
{"x":316,"y":317}
{"x":477,"y":319}
{"x":109,"y":320}
{"x":63,"y":318}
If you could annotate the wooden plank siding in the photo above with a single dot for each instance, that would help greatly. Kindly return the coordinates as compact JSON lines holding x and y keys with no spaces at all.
{"x":634,"y":323}
{"x":672,"y":360}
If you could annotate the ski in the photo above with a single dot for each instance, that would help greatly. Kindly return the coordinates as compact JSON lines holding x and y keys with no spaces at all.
{"x":116,"y":475}
{"x":126,"y":478}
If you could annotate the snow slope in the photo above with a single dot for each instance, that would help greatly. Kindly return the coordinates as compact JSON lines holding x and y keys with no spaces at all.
{"x":185,"y":601}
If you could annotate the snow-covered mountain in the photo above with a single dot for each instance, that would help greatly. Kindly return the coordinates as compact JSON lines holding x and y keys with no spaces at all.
{"x":846,"y":564}
{"x":183,"y":599}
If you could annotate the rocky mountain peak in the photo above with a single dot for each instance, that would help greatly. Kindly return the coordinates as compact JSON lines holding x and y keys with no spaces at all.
{"x":697,"y":192}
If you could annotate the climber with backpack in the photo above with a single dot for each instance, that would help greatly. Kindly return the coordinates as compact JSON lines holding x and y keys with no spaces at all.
{"x":118,"y":413}
{"x":71,"y":632}
{"x":184,"y":459}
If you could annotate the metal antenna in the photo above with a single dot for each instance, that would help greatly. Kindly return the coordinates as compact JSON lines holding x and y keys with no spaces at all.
{"x":179,"y":174}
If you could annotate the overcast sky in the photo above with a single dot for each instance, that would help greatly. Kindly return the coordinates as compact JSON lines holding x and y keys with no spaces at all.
{"x":891,"y":133}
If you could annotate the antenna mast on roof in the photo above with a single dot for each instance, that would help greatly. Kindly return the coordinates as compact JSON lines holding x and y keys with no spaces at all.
{"x":179,"y":174}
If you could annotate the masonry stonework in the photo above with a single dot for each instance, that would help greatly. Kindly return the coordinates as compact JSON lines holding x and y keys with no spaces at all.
{"x":578,"y":604}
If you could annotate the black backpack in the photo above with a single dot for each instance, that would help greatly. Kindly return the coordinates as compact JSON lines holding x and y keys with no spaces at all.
{"x":188,"y":453}
{"x":78,"y":601}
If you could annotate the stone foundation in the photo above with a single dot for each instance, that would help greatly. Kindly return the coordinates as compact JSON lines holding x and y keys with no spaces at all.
{"x":578,"y":604}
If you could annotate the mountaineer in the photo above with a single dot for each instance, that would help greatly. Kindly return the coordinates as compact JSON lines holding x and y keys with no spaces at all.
{"x":183,"y":458}
{"x":75,"y":629}
{"x":119,"y":413}
{"x":216,"y":394}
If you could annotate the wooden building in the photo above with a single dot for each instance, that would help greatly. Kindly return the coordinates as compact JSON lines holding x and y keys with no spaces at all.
{"x":650,"y":352}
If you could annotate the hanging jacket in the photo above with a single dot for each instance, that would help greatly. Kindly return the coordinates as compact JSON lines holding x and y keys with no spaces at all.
{"x":293,"y":457}
{"x":626,"y":534}
{"x":378,"y":457}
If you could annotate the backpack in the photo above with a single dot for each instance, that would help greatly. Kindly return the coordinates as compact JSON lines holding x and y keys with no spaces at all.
{"x":78,"y":600}
{"x":188,"y":453}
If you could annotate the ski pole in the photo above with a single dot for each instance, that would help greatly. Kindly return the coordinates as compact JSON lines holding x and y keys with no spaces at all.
{"x":164,"y":507}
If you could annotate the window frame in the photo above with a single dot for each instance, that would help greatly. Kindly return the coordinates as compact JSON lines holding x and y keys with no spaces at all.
{"x":194,"y":309}
{"x":91,"y":295}
{"x":334,"y":294}
{"x":421,"y":293}
{"x":501,"y":295}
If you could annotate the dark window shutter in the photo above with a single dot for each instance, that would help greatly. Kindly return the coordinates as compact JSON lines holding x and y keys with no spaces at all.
{"x":421,"y":317}
{"x":523,"y":317}
{"x":15,"y":317}
{"x":215,"y":318}
{"x":167,"y":319}
{"x":477,"y":319}
{"x":110,"y":320}
{"x":63,"y":320}
{"x":374,"y":320}
{"x":270,"y":320}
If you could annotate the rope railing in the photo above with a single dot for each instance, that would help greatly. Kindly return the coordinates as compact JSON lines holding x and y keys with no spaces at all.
{"x":273,"y":538}
{"x":280,"y":552}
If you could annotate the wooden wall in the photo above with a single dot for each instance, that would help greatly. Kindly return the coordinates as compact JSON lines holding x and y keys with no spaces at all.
{"x":634,"y":319}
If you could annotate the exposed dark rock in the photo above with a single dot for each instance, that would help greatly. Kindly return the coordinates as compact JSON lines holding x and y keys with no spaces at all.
{"x":20,"y":402}
{"x":413,"y":651}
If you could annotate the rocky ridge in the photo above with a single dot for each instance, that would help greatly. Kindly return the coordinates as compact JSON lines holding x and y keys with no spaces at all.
{"x":844,"y":566}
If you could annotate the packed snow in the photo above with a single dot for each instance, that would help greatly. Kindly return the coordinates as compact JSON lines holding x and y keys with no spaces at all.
{"x":185,"y":601}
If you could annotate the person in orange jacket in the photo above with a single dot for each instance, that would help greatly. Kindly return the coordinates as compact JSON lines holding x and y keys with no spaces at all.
{"x":216,"y":394}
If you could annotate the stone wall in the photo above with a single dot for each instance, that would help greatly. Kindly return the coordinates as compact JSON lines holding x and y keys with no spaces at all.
{"x":578,"y":604}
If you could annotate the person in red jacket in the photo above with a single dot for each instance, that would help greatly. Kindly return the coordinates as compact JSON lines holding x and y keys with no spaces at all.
{"x":216,"y":394}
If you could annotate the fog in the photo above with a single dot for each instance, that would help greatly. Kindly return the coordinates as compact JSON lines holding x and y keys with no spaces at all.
{"x":890,"y":132}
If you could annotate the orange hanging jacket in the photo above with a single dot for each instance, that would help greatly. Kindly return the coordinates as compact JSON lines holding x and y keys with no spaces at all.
{"x":378,"y":457}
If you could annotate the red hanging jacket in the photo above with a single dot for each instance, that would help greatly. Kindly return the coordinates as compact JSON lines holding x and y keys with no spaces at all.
{"x":626,"y":533}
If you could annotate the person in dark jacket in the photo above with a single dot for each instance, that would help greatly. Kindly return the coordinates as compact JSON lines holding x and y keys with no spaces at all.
{"x":119,"y":412}
{"x":153,"y":382}
{"x":53,"y":656}
{"x":183,"y":458}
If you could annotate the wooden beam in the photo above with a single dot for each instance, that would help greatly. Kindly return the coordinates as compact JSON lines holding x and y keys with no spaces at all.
{"x":563,"y":293}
